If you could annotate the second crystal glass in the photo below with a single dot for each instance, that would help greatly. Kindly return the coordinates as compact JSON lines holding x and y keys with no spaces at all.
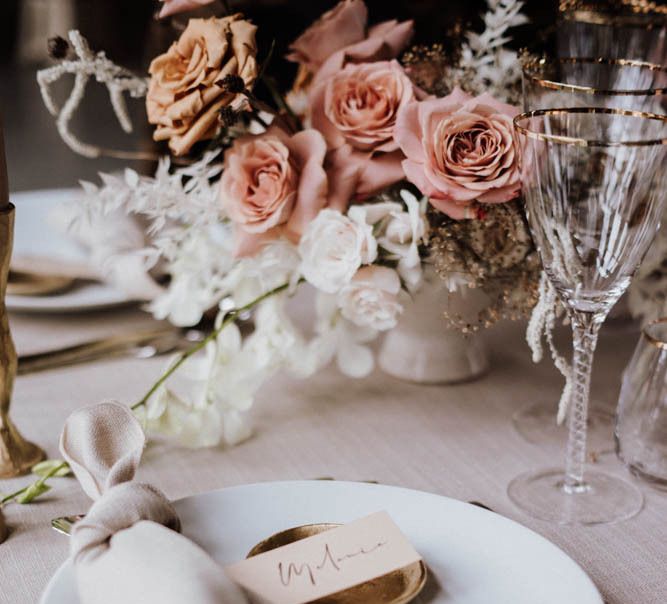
{"x":591,"y":180}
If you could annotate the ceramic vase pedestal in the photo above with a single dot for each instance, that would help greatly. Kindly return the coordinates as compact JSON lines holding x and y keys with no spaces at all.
{"x":421,"y":348}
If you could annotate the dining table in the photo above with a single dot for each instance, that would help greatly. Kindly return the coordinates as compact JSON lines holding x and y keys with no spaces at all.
{"x":455,"y":440}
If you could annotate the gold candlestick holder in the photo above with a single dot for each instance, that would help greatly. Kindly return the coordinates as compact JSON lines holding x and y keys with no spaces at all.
{"x":17,"y":455}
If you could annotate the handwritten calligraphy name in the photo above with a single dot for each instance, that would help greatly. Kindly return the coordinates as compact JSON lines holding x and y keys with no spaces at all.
{"x":290,"y":571}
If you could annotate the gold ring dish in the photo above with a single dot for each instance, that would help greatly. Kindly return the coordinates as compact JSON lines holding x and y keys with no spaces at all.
{"x":398,"y":587}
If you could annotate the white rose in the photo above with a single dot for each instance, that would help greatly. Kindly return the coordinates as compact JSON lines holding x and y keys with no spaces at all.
{"x":332,"y":249}
{"x":370,"y":299}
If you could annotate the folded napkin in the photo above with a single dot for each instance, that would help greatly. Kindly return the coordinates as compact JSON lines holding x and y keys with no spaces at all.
{"x":127,"y":548}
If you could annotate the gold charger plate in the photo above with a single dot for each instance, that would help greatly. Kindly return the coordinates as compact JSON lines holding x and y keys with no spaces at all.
{"x":398,"y":587}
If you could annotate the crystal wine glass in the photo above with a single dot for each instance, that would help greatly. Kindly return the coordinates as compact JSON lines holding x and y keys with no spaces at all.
{"x":594,"y":82}
{"x":585,"y":82}
{"x":609,"y":29}
{"x":594,"y":192}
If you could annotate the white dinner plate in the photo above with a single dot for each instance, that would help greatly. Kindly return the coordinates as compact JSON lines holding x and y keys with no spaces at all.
{"x":34,"y":235}
{"x":474,"y":556}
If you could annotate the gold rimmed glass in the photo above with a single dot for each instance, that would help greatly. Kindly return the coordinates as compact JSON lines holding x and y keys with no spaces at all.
{"x":641,"y":419}
{"x":593,"y":189}
{"x":627,"y":29}
{"x":585,"y":82}
{"x":594,"y":82}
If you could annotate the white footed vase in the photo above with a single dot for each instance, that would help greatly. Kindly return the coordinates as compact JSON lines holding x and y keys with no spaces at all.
{"x":423,"y":349}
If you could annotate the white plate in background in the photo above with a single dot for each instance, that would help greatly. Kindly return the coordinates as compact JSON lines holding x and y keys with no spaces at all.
{"x":35,"y":235}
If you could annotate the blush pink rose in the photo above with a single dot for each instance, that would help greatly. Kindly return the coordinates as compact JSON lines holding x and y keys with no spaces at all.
{"x":273,"y":184}
{"x":340,"y":37}
{"x":384,"y":42}
{"x":172,"y":7}
{"x":460,"y":149}
{"x":343,"y":25}
{"x":356,"y":111}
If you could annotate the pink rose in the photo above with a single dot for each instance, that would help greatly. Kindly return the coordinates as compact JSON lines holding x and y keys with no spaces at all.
{"x":339,"y":37}
{"x":343,"y":25}
{"x":460,"y":149}
{"x":273,"y":184}
{"x":171,"y":7}
{"x":384,"y":42}
{"x":356,"y":111}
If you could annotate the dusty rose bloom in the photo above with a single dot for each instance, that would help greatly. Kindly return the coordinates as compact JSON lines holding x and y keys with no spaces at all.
{"x":172,"y":7}
{"x":460,"y":149}
{"x":339,"y":37}
{"x":356,"y":112}
{"x":343,"y":25}
{"x":273,"y":184}
{"x":183,"y":99}
{"x":384,"y":42}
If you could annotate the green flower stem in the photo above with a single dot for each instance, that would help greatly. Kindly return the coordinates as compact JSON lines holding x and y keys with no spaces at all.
{"x":35,"y":485}
{"x":230,"y":318}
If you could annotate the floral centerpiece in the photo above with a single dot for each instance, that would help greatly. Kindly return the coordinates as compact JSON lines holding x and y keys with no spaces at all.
{"x":382,"y":158}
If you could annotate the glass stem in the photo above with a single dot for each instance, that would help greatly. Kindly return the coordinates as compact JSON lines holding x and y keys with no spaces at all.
{"x":585,"y":328}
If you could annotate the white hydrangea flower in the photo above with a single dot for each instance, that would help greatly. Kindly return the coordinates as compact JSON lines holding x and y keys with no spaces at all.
{"x":340,"y":339}
{"x":333,"y":247}
{"x":401,"y":236}
{"x":198,"y":267}
{"x":275,"y":264}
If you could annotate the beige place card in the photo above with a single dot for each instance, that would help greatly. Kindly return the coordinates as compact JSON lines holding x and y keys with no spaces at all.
{"x":326,"y":563}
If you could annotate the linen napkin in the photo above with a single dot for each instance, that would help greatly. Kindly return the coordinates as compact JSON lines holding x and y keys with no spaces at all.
{"x":127,"y":548}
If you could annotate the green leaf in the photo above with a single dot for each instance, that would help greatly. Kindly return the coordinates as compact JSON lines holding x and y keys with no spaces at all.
{"x":43,"y":468}
{"x":33,"y":491}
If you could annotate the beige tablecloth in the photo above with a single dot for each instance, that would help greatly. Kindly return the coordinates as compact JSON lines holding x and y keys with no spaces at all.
{"x":457,"y":441}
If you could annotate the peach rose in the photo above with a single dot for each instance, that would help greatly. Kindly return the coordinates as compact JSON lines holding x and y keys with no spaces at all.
{"x":460,"y":149}
{"x":343,"y":25}
{"x":183,"y":99}
{"x":273,"y":184}
{"x":356,"y":112}
{"x":172,"y":7}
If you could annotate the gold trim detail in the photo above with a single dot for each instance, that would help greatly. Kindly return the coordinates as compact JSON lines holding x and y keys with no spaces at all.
{"x":582,"y":142}
{"x":533,"y":65}
{"x":615,"y":12}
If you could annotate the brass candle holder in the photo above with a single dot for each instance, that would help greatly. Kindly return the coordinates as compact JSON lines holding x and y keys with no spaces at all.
{"x":17,"y":455}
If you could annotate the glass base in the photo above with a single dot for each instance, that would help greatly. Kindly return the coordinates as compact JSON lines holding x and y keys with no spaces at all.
{"x":601,"y":499}
{"x":536,"y":423}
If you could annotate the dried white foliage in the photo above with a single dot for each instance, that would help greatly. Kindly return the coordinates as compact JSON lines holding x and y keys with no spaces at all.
{"x":118,"y":80}
{"x":189,"y":237}
{"x":488,"y":65}
{"x":542,"y":323}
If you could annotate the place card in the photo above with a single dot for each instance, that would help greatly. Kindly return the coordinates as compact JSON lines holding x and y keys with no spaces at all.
{"x":326,"y":563}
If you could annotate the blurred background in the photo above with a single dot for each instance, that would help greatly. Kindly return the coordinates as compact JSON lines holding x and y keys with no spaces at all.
{"x":131,"y":36}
